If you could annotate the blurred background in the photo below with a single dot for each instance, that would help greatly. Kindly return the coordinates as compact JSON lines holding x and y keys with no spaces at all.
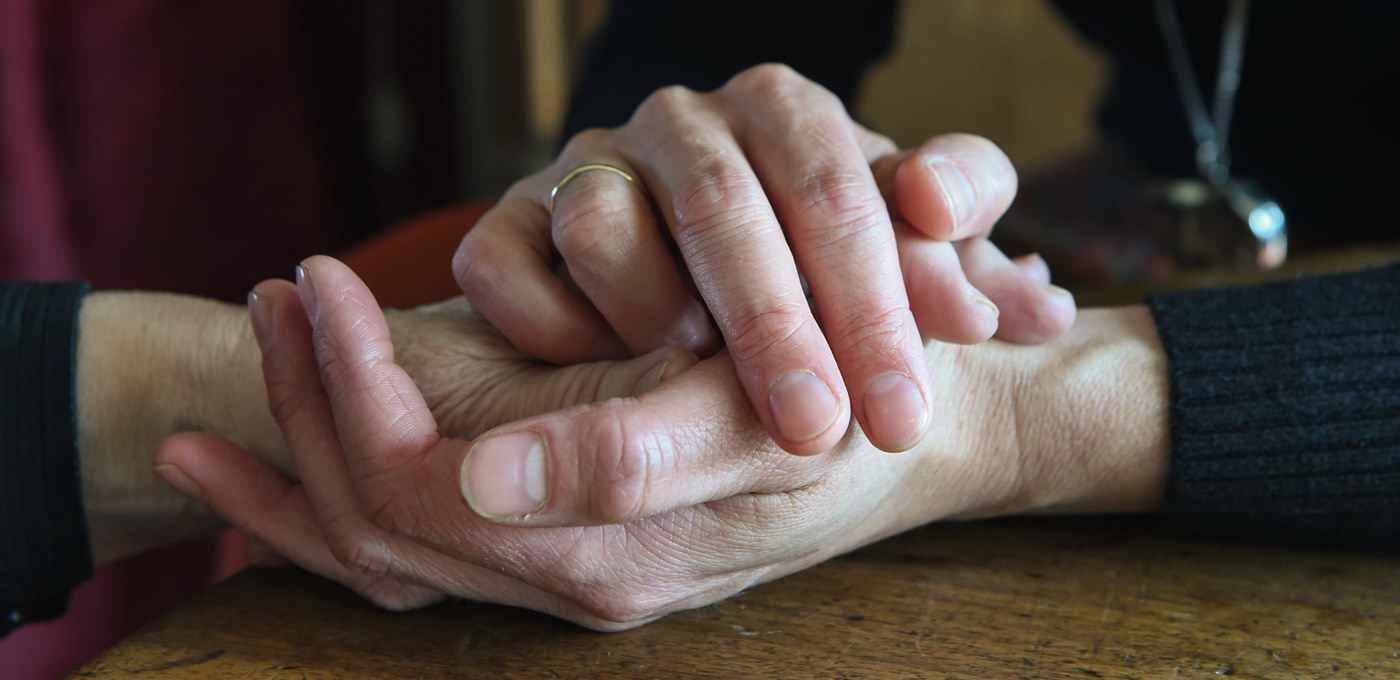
{"x":202,"y":146}
{"x":456,"y":99}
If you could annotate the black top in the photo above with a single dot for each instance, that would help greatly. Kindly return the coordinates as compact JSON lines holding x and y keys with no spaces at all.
{"x":43,"y":536}
{"x":1285,"y":410}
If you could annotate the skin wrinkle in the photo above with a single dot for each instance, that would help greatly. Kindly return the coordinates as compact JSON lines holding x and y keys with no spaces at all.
{"x":706,"y":256}
{"x":592,"y":227}
{"x":611,"y":473}
{"x":849,"y":205}
{"x":876,"y":339}
{"x":756,"y":334}
{"x":719,"y":199}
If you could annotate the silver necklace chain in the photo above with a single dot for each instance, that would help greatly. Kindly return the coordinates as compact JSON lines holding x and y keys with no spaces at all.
{"x":1212,"y":133}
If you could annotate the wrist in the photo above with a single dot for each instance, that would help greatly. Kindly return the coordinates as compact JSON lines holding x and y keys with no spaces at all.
{"x":149,"y":365}
{"x":1093,"y":409}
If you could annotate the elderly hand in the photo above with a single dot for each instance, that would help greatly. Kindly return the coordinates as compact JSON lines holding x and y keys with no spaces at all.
{"x":767,"y":175}
{"x":615,"y":513}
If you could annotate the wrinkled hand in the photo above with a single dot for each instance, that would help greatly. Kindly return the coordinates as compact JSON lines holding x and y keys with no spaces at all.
{"x":767,"y":175}
{"x":609,"y":514}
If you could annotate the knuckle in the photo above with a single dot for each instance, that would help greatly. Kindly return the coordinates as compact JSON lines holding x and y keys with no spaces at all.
{"x":622,"y":607}
{"x":721,"y":205}
{"x":771,"y":327}
{"x":883,"y":329}
{"x":358,"y":554}
{"x":474,"y":253}
{"x":581,"y":144}
{"x":591,"y":225}
{"x":666,"y":104}
{"x":469,"y":258}
{"x":780,"y":86}
{"x":767,"y":78}
{"x":621,"y":470}
{"x":482,"y":263}
{"x":394,"y":514}
{"x":841,"y":196}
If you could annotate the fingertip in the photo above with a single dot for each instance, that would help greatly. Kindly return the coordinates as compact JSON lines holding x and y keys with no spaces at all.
{"x":920,"y":199}
{"x":955,"y":186}
{"x":896,"y":412}
{"x":804,"y":410}
{"x":506,"y":476}
{"x":946,"y":306}
{"x":1033,"y":266}
{"x":1045,"y":312}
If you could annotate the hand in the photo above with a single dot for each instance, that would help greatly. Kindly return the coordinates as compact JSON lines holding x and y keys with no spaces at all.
{"x":766,"y":175}
{"x":616,"y":513}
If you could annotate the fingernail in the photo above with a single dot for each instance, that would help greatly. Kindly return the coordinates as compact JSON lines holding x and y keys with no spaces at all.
{"x":662,"y":371}
{"x":978,"y":298}
{"x":177,"y":478}
{"x":895,"y":410}
{"x":1056,"y":290}
{"x":307,"y":290}
{"x":260,"y":310}
{"x":957,"y":191}
{"x":504,"y":476}
{"x":802,"y":406}
{"x":1027,"y":260}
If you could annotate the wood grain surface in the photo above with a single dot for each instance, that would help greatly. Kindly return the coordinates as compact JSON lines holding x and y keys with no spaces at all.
{"x":1025,"y":598}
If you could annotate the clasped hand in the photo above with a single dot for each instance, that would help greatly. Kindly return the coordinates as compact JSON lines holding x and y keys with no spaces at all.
{"x":432,"y":451}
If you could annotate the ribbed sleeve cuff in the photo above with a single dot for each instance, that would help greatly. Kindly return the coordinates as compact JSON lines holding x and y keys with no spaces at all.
{"x":1285,"y":414}
{"x":43,"y":535}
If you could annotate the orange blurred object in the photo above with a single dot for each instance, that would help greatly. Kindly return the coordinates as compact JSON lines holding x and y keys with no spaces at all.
{"x":412,"y":264}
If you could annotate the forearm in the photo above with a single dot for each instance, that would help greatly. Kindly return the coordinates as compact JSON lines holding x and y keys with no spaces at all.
{"x":150,"y":365}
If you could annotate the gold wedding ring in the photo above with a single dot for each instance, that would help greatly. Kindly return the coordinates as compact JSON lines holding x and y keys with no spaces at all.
{"x":569,"y":177}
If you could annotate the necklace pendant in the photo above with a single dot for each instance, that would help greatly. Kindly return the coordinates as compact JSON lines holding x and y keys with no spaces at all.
{"x":1233,"y":224}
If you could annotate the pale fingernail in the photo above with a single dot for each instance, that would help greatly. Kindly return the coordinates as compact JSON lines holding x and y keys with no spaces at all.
{"x":177,"y":478}
{"x":307,"y":290}
{"x":260,"y":311}
{"x":895,"y":412}
{"x":1027,"y":260}
{"x":958,"y":193}
{"x":663,"y":370}
{"x":1056,"y":290}
{"x":802,"y":406}
{"x":504,"y":476}
{"x":978,"y":298}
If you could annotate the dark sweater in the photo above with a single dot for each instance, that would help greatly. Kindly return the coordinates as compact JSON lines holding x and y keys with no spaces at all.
{"x":43,"y":535}
{"x":1286,"y":410}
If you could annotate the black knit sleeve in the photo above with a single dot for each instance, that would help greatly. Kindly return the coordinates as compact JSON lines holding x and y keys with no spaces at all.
{"x":43,"y":536}
{"x":1285,"y":413}
{"x":645,"y":45}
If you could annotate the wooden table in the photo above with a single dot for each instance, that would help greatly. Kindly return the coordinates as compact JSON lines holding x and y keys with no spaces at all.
{"x":1024,"y":598}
